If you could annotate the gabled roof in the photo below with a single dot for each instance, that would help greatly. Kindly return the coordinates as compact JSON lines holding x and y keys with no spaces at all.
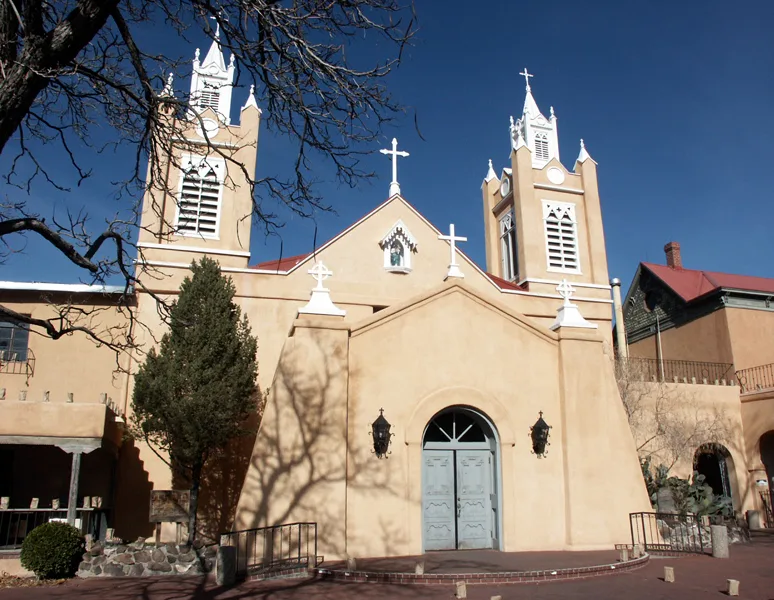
{"x":691,"y":284}
{"x":285,"y":266}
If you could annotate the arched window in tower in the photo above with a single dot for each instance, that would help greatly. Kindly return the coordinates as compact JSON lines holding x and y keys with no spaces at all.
{"x":198,"y":209}
{"x":561,"y":236}
{"x":541,"y":146}
{"x":508,"y":248}
{"x":397,"y":247}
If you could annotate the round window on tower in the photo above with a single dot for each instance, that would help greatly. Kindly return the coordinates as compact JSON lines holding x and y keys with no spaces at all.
{"x":505,"y":187}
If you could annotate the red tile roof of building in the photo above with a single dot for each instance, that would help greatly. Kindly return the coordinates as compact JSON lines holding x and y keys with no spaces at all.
{"x":284,"y":264}
{"x":691,"y":284}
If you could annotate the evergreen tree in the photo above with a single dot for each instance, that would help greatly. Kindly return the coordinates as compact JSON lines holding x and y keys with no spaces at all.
{"x":194,"y":394}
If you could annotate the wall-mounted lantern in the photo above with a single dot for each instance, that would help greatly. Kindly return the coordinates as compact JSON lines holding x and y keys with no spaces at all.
{"x":380,"y":429}
{"x":539,"y":434}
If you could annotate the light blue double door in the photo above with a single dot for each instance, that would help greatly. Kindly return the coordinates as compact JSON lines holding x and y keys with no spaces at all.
{"x":458,"y":500}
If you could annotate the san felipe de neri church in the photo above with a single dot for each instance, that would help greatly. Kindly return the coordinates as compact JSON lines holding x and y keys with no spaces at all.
{"x":506,"y":428}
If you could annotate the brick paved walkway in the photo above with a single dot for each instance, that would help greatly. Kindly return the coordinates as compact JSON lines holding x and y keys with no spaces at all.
{"x":697,"y":577}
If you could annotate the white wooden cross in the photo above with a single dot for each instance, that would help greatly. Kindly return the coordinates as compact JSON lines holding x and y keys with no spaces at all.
{"x":526,"y":74}
{"x":565,"y":291}
{"x":394,"y":185}
{"x":320,"y":272}
{"x":454,"y":268}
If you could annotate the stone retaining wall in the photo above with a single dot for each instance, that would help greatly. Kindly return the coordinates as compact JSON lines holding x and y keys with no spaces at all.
{"x":141,"y":559}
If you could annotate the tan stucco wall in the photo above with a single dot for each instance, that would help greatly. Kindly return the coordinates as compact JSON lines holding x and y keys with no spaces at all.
{"x":752,"y":336}
{"x":413,"y":360}
{"x":684,"y":405}
{"x":705,"y":339}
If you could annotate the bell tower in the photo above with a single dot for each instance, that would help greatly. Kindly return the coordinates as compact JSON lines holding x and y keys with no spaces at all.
{"x":543,"y":223}
{"x":203,"y":203}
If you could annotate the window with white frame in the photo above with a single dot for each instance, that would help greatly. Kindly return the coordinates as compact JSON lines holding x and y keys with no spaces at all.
{"x":198,"y":209}
{"x":397,"y":247}
{"x":541,"y":146}
{"x":508,"y":248}
{"x":561,"y":232}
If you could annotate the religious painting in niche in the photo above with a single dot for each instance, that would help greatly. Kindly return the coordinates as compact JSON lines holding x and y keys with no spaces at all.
{"x":397,"y":247}
{"x":397,"y":257}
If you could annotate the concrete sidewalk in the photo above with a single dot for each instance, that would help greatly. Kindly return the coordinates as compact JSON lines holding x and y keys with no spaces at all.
{"x":697,"y":577}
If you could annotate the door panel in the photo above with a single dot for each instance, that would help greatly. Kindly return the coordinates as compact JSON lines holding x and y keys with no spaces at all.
{"x":474,"y":513}
{"x":438,"y":508}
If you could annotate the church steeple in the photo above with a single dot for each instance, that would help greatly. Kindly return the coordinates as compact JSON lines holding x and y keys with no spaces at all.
{"x":212,"y":82}
{"x":536,"y":132}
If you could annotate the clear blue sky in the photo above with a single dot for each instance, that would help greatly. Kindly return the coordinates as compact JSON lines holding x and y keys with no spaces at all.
{"x":673,"y":99}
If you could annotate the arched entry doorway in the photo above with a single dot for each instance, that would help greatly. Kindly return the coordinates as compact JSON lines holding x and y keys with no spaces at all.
{"x":460,"y":481}
{"x":712,"y":461}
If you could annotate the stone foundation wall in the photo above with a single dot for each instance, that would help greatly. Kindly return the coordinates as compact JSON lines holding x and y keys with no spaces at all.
{"x":141,"y":559}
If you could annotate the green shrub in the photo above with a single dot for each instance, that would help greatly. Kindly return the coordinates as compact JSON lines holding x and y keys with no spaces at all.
{"x":52,"y":550}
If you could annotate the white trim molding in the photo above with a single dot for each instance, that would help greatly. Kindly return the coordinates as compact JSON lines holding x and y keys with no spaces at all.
{"x":35,"y":286}
{"x":202,"y":250}
{"x":559,"y":188}
{"x":596,"y":286}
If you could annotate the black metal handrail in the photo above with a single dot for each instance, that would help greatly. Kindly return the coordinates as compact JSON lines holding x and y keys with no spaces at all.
{"x":755,"y":379}
{"x":15,"y":363}
{"x":681,"y":371}
{"x":278,"y":547}
{"x":16,"y":523}
{"x":667,"y":533}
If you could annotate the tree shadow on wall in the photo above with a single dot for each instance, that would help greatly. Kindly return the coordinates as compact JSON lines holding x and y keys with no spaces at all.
{"x":304,"y":462}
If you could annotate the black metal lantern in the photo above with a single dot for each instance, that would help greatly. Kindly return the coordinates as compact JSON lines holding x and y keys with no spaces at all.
{"x":380,"y":429}
{"x":539,"y":434}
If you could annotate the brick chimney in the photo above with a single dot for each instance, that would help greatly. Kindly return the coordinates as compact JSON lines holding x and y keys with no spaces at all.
{"x":673,"y":258}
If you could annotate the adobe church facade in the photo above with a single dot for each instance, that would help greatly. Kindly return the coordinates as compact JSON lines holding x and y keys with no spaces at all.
{"x":389,"y":317}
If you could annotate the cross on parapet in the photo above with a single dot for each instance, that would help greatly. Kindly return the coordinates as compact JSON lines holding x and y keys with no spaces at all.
{"x":394,"y":185}
{"x":526,"y":74}
{"x":320,"y":273}
{"x":565,"y":291}
{"x":454,"y":269}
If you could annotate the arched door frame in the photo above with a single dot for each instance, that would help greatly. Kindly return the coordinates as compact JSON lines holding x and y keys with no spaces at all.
{"x":492,"y":445}
{"x":722,"y":455}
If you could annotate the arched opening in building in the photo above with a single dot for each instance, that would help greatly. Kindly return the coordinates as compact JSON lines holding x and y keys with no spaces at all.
{"x":461,"y":497}
{"x":715,"y":463}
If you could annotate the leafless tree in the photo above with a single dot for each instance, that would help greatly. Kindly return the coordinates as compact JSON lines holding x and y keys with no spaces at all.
{"x":71,"y":69}
{"x":668,"y":421}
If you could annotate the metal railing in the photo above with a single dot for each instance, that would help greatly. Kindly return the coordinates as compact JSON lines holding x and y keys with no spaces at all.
{"x":16,"y":523}
{"x":267,"y":549}
{"x":768,"y":510}
{"x":666,"y":533}
{"x":16,"y":363}
{"x":756,"y":378}
{"x":681,"y":371}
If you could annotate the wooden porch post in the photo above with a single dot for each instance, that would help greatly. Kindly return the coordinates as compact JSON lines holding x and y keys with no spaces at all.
{"x":72,"y":499}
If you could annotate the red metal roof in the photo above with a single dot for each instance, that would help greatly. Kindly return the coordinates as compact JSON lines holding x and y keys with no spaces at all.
{"x":284,"y":264}
{"x":691,"y":284}
{"x":505,"y":285}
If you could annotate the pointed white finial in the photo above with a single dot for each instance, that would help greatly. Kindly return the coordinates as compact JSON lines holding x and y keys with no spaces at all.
{"x":196,"y":55}
{"x":583,"y":154}
{"x":217,"y":28}
{"x":527,"y":75}
{"x":394,"y":185}
{"x":168,"y":89}
{"x":490,"y":174}
{"x":519,"y":142}
{"x":568,"y":314}
{"x":231,"y":61}
{"x":320,"y":303}
{"x":454,"y":268}
{"x":552,"y":112}
{"x":251,"y":100}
